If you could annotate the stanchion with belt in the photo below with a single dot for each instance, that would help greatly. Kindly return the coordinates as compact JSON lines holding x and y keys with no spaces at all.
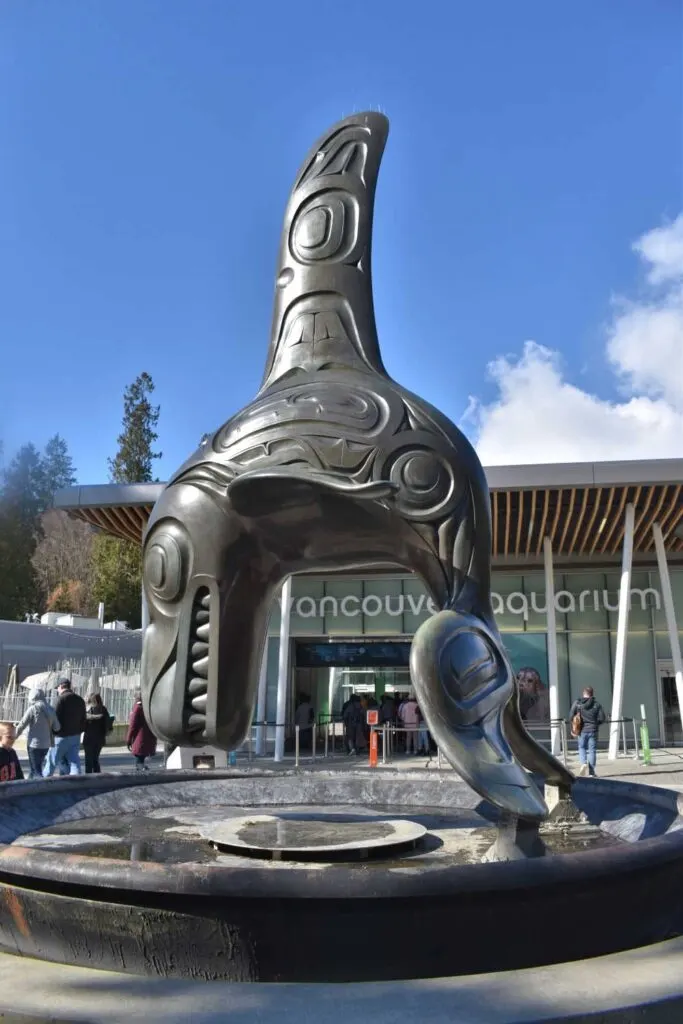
{"x":373,"y":722}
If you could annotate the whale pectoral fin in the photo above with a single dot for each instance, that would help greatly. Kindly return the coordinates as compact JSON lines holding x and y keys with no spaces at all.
{"x":463,"y":685}
{"x":531,"y":754}
{"x":263,"y":492}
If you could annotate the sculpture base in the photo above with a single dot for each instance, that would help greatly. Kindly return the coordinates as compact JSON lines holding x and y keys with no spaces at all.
{"x":561,"y":807}
{"x":190,"y":758}
{"x":516,"y":840}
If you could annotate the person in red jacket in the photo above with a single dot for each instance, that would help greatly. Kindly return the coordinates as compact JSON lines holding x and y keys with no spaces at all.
{"x":140,"y":740}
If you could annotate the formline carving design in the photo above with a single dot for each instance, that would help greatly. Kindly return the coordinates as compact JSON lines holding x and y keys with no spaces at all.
{"x":333,"y":466}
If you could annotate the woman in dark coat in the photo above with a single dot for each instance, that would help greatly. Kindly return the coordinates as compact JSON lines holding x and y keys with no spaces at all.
{"x":140,"y":740}
{"x":97,"y":725}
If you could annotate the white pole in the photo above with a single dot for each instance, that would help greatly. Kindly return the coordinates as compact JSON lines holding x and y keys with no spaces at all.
{"x":551,"y":628}
{"x":330,"y":689}
{"x":669,"y":613}
{"x":622,"y":632}
{"x":100,"y":614}
{"x":283,"y":670}
{"x":144,"y":614}
{"x":261,"y":702}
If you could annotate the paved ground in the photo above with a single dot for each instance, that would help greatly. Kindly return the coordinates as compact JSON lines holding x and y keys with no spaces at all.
{"x":640,"y":986}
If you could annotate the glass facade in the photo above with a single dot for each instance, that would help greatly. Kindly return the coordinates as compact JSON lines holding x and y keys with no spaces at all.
{"x":586,"y":606}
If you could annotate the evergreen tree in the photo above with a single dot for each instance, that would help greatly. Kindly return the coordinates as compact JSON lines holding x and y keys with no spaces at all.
{"x":58,"y":469}
{"x":133,"y":462}
{"x":117,"y":578}
{"x":23,"y":486}
{"x":20,"y":505}
{"x":26,"y":491}
{"x":117,"y":564}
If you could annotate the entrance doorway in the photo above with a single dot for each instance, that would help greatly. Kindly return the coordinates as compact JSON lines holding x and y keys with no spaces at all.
{"x":673,"y":731}
{"x":329,"y":673}
{"x":370,"y":684}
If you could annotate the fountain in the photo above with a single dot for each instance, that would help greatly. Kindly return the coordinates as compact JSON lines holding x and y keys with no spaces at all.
{"x":210,"y":875}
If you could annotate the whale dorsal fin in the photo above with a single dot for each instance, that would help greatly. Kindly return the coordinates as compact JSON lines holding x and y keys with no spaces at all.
{"x":324,"y":316}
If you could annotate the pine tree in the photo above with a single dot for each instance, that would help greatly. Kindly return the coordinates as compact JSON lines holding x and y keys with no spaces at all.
{"x":58,"y":469}
{"x":117,"y":578}
{"x":20,"y":505}
{"x":133,"y":462}
{"x":23,"y":485}
{"x":117,"y":564}
{"x":27,"y":487}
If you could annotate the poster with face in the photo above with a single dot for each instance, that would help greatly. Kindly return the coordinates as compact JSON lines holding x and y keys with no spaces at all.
{"x":529,"y":659}
{"x":534,"y":703}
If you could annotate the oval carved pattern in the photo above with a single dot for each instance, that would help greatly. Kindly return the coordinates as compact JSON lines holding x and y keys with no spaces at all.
{"x":326,"y":229}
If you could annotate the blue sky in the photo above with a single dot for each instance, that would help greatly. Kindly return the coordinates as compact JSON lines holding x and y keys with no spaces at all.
{"x":149,"y":147}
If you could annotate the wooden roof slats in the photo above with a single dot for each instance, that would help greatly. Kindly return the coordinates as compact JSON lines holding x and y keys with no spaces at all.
{"x":568,"y":519}
{"x":579,"y":520}
{"x":532,"y":518}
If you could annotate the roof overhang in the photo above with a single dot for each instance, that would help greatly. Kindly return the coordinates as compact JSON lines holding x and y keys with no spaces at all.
{"x":579,"y":505}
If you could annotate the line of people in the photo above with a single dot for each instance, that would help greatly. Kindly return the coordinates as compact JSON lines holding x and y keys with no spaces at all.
{"x":53,"y":735}
{"x":400,"y":711}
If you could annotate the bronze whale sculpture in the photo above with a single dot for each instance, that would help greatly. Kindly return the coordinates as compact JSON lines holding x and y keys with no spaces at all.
{"x":332,"y":467}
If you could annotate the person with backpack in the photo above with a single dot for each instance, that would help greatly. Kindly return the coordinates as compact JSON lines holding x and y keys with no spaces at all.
{"x":41,"y":721}
{"x":98,"y":724}
{"x":586,"y":716}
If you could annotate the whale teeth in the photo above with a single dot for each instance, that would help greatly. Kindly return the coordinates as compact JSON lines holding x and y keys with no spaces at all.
{"x":201,"y":667}
{"x":196,"y":695}
{"x":197,"y":686}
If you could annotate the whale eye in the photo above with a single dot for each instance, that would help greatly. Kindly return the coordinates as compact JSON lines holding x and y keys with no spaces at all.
{"x":164,"y":566}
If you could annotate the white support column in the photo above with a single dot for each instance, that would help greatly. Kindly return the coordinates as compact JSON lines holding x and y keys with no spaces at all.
{"x":283,"y":670}
{"x":622,"y":632}
{"x":551,"y":628}
{"x":261,"y":702}
{"x":144,"y":611}
{"x":669,"y":613}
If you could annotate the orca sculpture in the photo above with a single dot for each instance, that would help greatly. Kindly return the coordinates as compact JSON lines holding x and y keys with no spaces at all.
{"x":332,"y":467}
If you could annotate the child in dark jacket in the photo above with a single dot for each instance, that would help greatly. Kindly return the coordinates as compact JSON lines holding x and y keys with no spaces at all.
{"x":10,"y":769}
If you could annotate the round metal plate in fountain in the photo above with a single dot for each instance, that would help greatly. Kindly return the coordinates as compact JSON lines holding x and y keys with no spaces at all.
{"x":276,"y":837}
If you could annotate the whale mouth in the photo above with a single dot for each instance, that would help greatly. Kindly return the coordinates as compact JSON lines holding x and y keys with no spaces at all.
{"x":197,"y":667}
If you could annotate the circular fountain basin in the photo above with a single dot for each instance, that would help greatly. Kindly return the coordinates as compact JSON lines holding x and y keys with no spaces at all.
{"x":376,"y":875}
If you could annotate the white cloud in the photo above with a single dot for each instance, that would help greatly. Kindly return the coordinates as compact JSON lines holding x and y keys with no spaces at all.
{"x":540,"y":416}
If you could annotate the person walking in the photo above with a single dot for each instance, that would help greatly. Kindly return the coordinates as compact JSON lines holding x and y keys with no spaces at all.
{"x":303,"y":717}
{"x":586,"y":716}
{"x":71,"y":715}
{"x":354,"y":725}
{"x":410,"y":718}
{"x":140,"y":740}
{"x":41,"y":721}
{"x":97,"y":725}
{"x":423,"y":742}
